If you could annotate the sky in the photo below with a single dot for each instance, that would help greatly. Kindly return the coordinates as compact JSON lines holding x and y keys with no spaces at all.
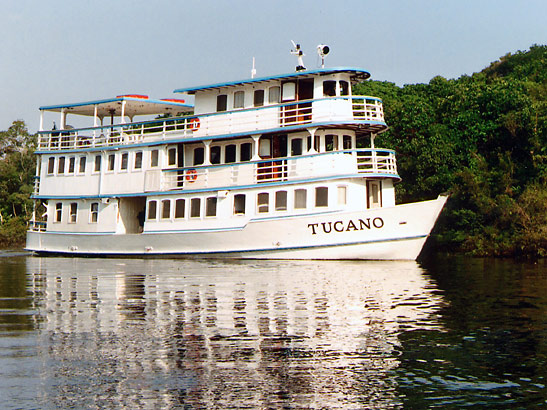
{"x":66,"y":51}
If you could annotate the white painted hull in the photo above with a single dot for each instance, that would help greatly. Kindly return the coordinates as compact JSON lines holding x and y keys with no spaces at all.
{"x":391,"y":233}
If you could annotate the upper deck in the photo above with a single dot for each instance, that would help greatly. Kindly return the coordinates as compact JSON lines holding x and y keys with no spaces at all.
{"x":308,"y":99}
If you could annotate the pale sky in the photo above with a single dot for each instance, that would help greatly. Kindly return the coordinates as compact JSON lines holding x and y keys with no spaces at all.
{"x":65,"y":51}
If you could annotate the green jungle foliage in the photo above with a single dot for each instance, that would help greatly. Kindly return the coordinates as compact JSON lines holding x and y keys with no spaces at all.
{"x":483,"y":139}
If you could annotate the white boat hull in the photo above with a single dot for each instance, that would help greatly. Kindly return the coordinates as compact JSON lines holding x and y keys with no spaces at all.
{"x":392,"y":233}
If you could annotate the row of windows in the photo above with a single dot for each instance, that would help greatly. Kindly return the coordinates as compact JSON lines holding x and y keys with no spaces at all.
{"x":168,"y":209}
{"x":73,"y":212}
{"x":331,"y":88}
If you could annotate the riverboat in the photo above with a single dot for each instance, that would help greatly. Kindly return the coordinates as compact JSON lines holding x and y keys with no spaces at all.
{"x":280,"y":167}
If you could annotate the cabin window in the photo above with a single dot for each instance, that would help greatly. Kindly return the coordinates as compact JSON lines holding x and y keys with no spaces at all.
{"x":321,"y":196}
{"x":347,"y":142}
{"x":180,"y":208}
{"x":296,"y":146}
{"x":58,"y":212}
{"x":152,"y":210}
{"x":239,"y":99}
{"x":71,"y":165}
{"x":166,"y":209}
{"x":172,"y":156}
{"x":374,"y":198}
{"x":289,"y":91}
{"x":199,"y":156}
{"x":281,"y":201}
{"x":274,"y":94}
{"x":51,"y":165}
{"x":195,"y":207}
{"x":263,"y":201}
{"x":258,"y":98}
{"x":331,"y":142}
{"x":246,"y":151}
{"x":94,"y":215}
{"x":138,"y":160}
{"x":82,"y":165}
{"x":97,"y":163}
{"x":300,"y":199}
{"x":125,"y":161}
{"x":342,"y":195}
{"x":61,"y":165}
{"x":211,"y":206}
{"x":154,"y":158}
{"x":111,"y":162}
{"x":265,"y":148}
{"x":222,"y":102}
{"x":230,"y":154}
{"x":344,"y":88}
{"x":73,"y":213}
{"x":239,"y":204}
{"x":215,"y":155}
{"x":329,"y":88}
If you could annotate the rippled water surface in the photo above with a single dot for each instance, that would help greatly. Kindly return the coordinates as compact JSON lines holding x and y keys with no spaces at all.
{"x":130,"y":333}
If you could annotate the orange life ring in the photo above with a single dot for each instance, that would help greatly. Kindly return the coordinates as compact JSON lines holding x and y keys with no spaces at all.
{"x":191,"y":175}
{"x":193,"y":124}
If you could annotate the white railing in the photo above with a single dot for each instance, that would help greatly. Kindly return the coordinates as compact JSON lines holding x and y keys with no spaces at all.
{"x":349,"y":110}
{"x":378,"y":162}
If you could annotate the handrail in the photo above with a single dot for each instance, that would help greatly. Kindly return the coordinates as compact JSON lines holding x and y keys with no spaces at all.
{"x":295,"y":113}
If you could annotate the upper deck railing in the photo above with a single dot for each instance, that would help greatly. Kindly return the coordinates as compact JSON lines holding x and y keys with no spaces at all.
{"x":356,"y":110}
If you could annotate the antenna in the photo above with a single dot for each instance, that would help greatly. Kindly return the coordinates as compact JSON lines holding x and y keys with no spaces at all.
{"x":323,"y":50}
{"x":299,"y":54}
{"x":253,"y":70}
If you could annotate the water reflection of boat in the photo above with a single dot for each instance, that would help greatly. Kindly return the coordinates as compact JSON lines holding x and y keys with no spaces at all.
{"x":227,"y":334}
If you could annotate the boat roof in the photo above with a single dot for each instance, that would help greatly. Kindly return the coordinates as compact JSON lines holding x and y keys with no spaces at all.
{"x":356,"y":75}
{"x":134,"y":105}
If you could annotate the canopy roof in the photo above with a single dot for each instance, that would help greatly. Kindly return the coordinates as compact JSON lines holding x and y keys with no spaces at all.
{"x":134,"y":105}
{"x":356,"y":75}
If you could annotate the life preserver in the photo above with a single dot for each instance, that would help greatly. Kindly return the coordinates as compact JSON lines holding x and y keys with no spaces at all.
{"x":191,"y":175}
{"x":193,"y":124}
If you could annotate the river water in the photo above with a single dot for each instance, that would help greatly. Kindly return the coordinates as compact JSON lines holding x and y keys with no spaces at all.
{"x":448,"y":332}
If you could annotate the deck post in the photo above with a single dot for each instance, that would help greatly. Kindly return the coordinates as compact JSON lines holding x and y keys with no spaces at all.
{"x":256,"y":139}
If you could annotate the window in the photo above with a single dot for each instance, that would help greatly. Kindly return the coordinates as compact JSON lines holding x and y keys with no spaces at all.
{"x":344,"y":88}
{"x":331,"y":142}
{"x":58,"y":212}
{"x":239,"y":99}
{"x":195,"y":207}
{"x":73,"y":213}
{"x":274,"y":94}
{"x":258,"y":98}
{"x":97,"y":163}
{"x":347,"y":142}
{"x":215,"y":155}
{"x":296,"y":146}
{"x":321,"y":196}
{"x":125,"y":161}
{"x":230,"y":154}
{"x":71,"y":165}
{"x":154,"y":158}
{"x":289,"y":91}
{"x":211,"y":206}
{"x":152,"y":210}
{"x":263,"y":202}
{"x":180,"y":208}
{"x":222,"y":102}
{"x":111,"y":162}
{"x":246,"y":151}
{"x":172,"y":156}
{"x":199,"y":156}
{"x":281,"y":201}
{"x":51,"y":165}
{"x":329,"y":88}
{"x":300,"y":199}
{"x":138,"y":160}
{"x":94,"y":213}
{"x":342,"y":195}
{"x":166,"y":209}
{"x":61,"y":165}
{"x":82,"y":165}
{"x":239,"y":204}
